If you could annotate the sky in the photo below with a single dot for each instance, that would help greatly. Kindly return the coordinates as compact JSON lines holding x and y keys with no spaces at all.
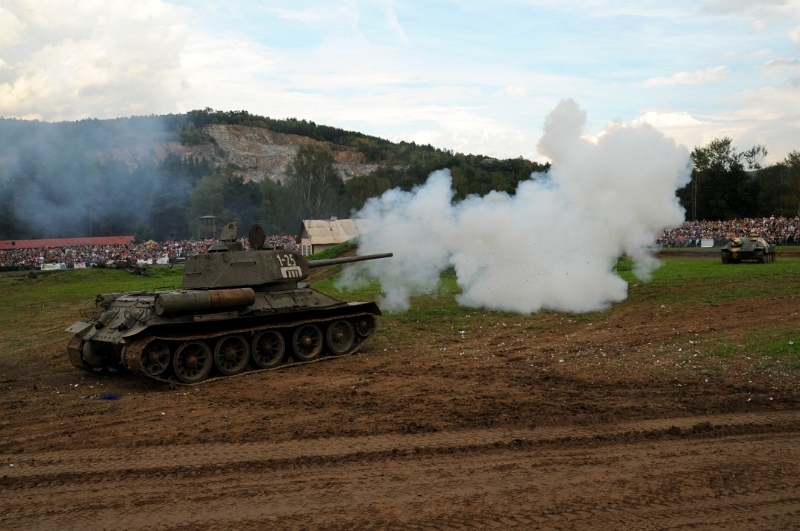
{"x":471,"y":76}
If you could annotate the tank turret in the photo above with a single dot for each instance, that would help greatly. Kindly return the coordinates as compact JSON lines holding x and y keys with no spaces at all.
{"x":228,"y":265}
{"x":237,"y":310}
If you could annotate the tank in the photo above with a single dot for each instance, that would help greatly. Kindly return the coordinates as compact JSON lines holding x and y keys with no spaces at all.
{"x":751,"y":249}
{"x":236,"y":311}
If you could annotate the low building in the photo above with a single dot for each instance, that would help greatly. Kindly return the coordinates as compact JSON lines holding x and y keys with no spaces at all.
{"x":319,"y":234}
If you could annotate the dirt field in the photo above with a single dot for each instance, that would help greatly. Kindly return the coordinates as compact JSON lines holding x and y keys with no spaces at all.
{"x":629,"y":419}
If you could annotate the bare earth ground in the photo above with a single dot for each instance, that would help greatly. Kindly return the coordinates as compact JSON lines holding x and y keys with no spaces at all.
{"x":485,"y":421}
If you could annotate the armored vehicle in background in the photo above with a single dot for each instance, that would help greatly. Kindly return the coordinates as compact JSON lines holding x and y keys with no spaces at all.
{"x":237,"y":310}
{"x":753,"y":249}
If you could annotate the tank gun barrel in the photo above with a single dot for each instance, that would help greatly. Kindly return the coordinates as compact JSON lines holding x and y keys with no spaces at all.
{"x":346,"y":260}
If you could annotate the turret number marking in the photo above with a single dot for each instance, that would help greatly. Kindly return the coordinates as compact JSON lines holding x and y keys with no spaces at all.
{"x":289,"y":267}
{"x":286,"y":260}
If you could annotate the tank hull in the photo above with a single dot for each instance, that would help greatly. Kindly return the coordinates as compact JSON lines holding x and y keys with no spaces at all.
{"x":748,"y":250}
{"x":97,"y":350}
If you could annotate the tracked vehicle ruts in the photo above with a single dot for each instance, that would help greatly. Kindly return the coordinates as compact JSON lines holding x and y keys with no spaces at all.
{"x":237,"y":310}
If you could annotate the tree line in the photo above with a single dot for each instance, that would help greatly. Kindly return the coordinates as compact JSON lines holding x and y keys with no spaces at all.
{"x":730,"y":184}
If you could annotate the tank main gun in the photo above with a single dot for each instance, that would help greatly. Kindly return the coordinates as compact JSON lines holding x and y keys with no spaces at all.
{"x":346,"y":260}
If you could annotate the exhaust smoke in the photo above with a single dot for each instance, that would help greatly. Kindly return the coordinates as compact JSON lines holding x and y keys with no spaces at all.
{"x":552,"y":245}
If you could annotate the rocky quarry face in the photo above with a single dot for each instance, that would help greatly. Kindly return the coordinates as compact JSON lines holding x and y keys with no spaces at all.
{"x":261,"y":154}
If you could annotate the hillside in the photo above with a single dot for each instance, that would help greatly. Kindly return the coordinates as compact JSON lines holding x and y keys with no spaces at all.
{"x":259,"y":153}
{"x":155,"y":175}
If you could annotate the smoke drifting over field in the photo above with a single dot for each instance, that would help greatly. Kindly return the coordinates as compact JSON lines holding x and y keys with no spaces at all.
{"x":550,"y":246}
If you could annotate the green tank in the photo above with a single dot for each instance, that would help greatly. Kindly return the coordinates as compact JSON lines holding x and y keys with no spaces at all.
{"x":237,"y":311}
{"x":749,"y":249}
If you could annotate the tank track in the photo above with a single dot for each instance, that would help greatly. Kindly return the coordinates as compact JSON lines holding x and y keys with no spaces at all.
{"x":132,"y":353}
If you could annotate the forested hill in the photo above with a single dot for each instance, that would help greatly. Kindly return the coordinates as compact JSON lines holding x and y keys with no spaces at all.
{"x":155,"y":175}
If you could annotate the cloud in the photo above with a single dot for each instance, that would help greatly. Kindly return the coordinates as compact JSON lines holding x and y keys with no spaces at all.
{"x":763,"y":14}
{"x":97,"y":60}
{"x":10,"y":27}
{"x":306,"y":16}
{"x":698,"y":77}
{"x":780,"y":65}
{"x":394,"y":24}
{"x":764,"y":115}
{"x":662,"y":120}
{"x":794,"y":36}
{"x":317,"y":16}
{"x":515,"y":91}
{"x":744,"y":56}
{"x":768,"y":8}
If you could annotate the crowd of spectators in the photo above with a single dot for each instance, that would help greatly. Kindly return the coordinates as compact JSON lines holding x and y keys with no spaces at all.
{"x":777,"y":231}
{"x":92,"y":255}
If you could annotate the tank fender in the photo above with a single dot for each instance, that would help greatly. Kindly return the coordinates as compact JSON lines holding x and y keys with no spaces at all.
{"x":79,"y":328}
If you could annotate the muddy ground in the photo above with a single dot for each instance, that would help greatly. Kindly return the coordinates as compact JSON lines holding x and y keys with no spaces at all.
{"x":485,"y":421}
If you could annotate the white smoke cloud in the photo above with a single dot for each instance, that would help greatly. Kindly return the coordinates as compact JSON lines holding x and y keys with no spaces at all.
{"x":550,"y":246}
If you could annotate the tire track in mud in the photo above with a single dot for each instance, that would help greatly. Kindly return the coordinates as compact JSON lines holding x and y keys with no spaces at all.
{"x":738,"y":471}
{"x":176,"y":457}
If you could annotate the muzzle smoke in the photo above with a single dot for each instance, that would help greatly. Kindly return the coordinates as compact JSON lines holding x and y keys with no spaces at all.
{"x":552,"y":245}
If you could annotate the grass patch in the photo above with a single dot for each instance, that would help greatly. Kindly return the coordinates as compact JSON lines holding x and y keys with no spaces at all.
{"x":717,"y":250}
{"x":720,"y":351}
{"x":333,"y":252}
{"x":768,"y":346}
{"x":712,"y":281}
{"x":623,"y":264}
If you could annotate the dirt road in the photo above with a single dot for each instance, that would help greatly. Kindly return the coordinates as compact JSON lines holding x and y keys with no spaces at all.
{"x":739,"y":471}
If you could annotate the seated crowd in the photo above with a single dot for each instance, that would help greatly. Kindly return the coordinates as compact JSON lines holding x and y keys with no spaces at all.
{"x":777,"y":231}
{"x":89,"y":255}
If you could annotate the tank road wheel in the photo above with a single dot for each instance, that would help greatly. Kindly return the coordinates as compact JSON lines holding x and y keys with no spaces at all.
{"x":726,"y":258}
{"x":155,"y":358}
{"x":192,"y":362}
{"x":761,"y":258}
{"x":268,"y":349}
{"x":365,"y":325}
{"x":307,"y":342}
{"x":231,"y":355}
{"x":341,"y":337}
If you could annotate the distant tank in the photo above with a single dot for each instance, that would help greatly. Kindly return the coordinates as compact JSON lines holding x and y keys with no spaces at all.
{"x":237,"y":310}
{"x":751,"y":249}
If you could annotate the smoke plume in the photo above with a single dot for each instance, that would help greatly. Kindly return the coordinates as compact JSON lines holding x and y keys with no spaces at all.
{"x":83,"y":178}
{"x":553,"y":244}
